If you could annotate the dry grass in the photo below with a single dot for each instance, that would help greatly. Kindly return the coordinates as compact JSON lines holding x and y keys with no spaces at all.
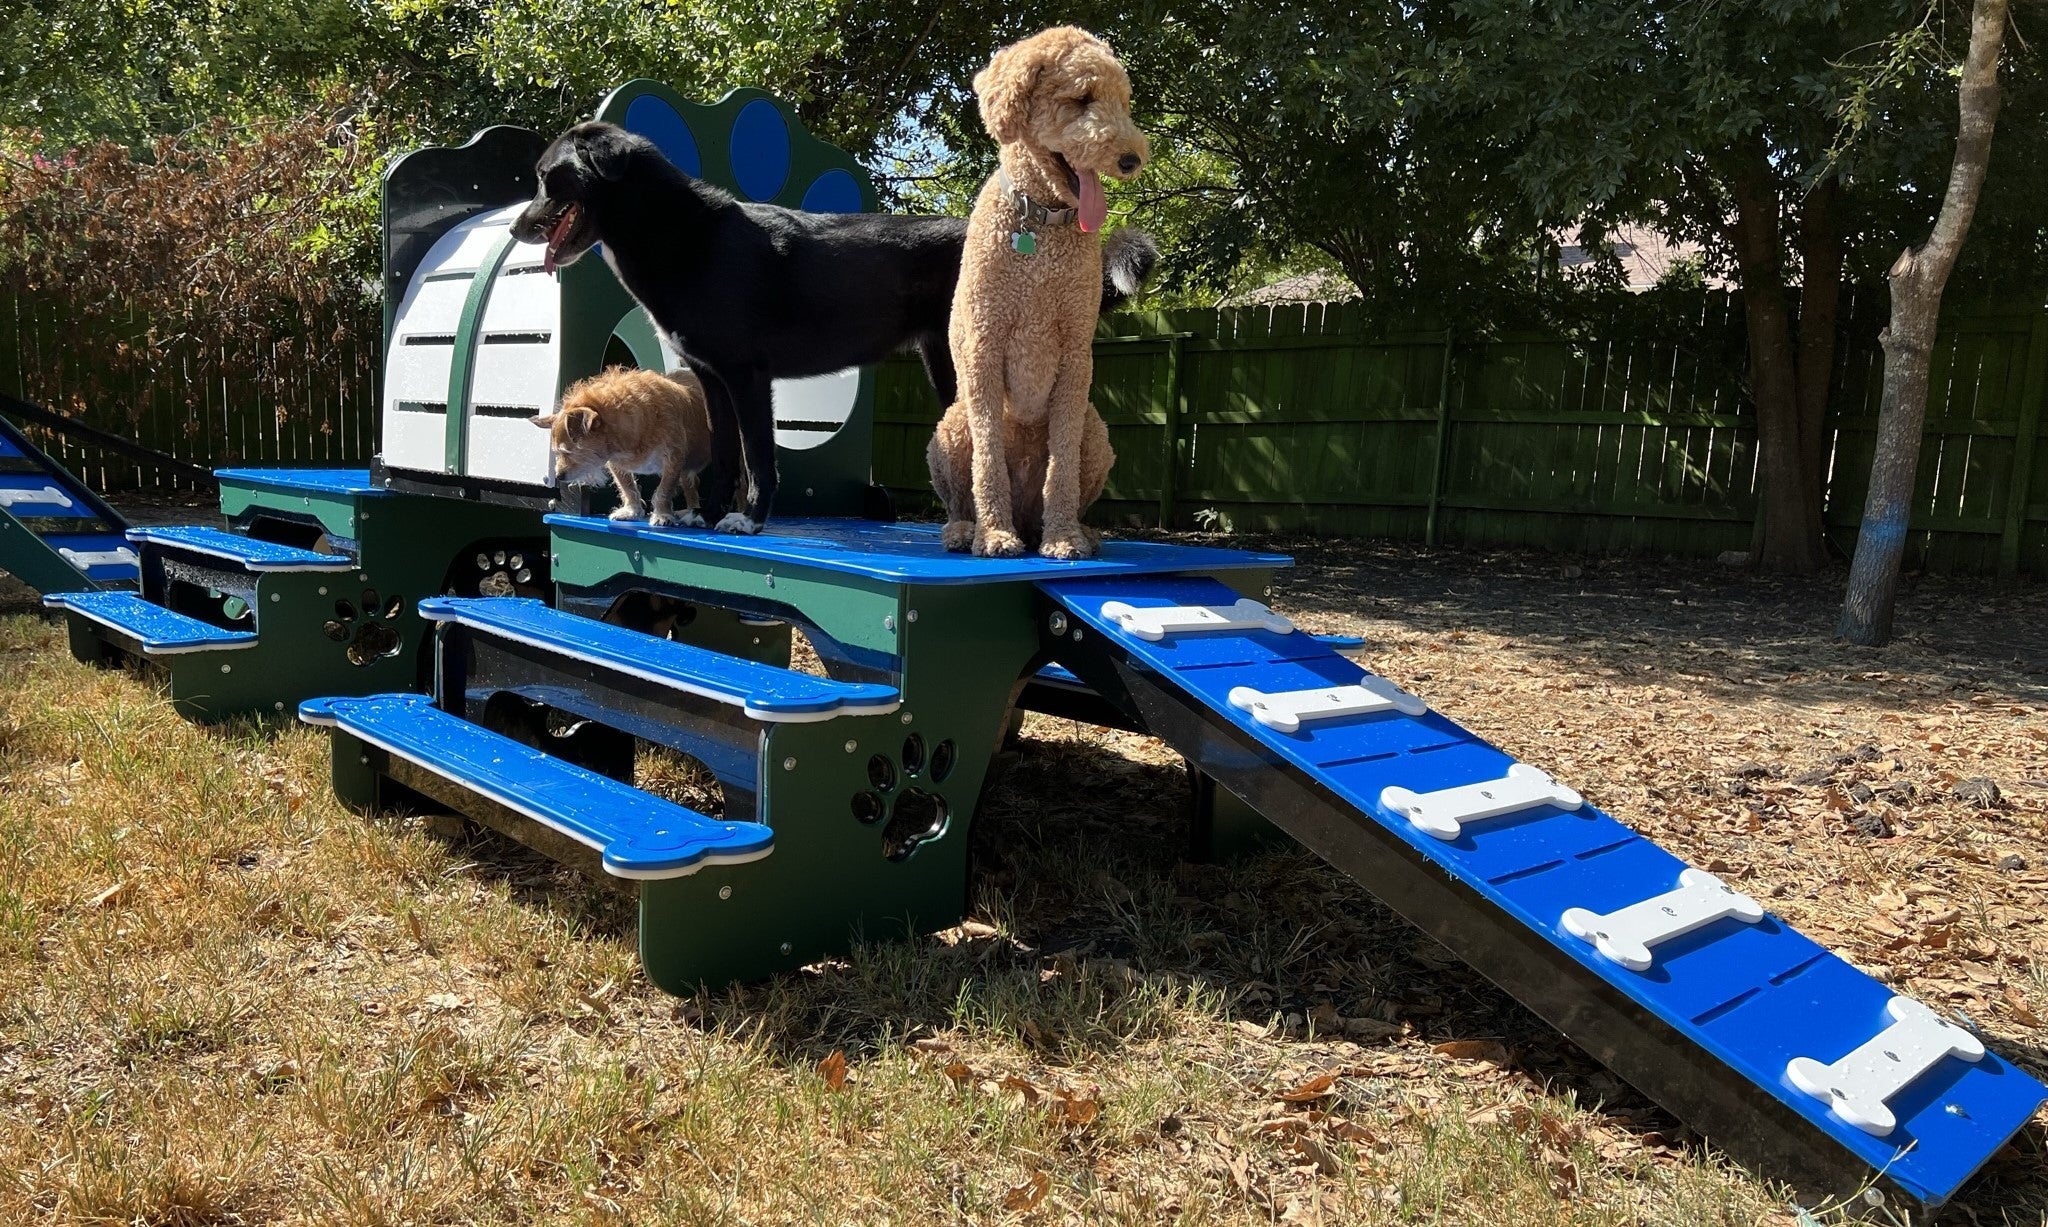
{"x":223,"y":999}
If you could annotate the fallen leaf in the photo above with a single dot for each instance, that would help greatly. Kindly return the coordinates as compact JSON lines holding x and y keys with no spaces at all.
{"x":1022,"y":1086}
{"x":1490,"y":1051}
{"x":1072,"y":1108}
{"x":1027,"y":1195}
{"x":1308,"y":1092}
{"x":960,"y":1071}
{"x":447,"y":1002}
{"x":2020,"y":1009}
{"x":833,"y":1070}
{"x":1319,"y":1154}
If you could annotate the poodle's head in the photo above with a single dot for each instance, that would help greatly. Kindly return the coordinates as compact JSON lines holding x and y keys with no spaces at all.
{"x":1062,"y":100}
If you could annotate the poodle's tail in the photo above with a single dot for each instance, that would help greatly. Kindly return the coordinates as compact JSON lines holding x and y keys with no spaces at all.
{"x":1128,"y":257}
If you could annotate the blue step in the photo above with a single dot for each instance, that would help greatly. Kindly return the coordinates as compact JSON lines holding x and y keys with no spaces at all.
{"x":155,"y":630}
{"x":638,"y":834}
{"x":763,"y":691}
{"x":1752,"y":996}
{"x":247,"y":553}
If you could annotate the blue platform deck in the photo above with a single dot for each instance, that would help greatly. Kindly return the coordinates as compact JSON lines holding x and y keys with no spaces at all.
{"x":764,"y":692}
{"x":911,"y":553}
{"x":638,"y":834}
{"x":348,"y":482}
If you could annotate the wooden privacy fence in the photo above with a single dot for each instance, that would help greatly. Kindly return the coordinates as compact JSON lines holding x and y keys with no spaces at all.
{"x":308,"y":398}
{"x":1294,"y":419}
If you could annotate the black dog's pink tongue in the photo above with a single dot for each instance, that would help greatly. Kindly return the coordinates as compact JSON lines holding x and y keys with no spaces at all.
{"x":1094,"y":210}
{"x":555,"y":237}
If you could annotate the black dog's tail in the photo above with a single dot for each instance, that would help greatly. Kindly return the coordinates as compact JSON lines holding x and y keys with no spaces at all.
{"x":1128,"y":257}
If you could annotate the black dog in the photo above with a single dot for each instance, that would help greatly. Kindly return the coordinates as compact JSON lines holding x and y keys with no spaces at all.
{"x":749,"y":293}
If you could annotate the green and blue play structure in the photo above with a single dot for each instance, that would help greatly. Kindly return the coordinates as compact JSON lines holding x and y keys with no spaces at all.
{"x":448,"y":616}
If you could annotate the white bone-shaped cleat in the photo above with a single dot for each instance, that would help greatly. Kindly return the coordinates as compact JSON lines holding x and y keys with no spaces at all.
{"x":1157,"y":622}
{"x":1859,"y":1087}
{"x":48,"y":496}
{"x":1445,"y":812}
{"x":1626,"y":935}
{"x":1288,"y":710}
{"x":99,"y":558}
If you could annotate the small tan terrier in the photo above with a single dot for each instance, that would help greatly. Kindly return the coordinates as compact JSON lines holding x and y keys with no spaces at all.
{"x":623,"y":421}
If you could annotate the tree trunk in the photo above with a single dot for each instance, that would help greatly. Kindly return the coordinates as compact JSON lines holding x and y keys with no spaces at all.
{"x":1820,"y":295}
{"x":1917,"y":279}
{"x":1788,"y":534}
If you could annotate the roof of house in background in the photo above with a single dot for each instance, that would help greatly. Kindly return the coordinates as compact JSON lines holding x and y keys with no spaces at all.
{"x":1646,"y":256}
{"x":1327,"y":286}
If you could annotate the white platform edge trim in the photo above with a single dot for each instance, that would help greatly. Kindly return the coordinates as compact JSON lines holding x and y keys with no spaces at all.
{"x":1444,"y":812}
{"x":668,"y":682}
{"x":552,"y":824}
{"x":1153,"y":623}
{"x":48,"y":496}
{"x":1287,"y":710}
{"x":1858,"y":1088}
{"x":341,"y":561}
{"x":56,"y":601}
{"x":1627,"y":935}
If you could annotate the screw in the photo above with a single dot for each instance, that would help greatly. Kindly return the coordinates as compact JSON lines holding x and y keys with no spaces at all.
{"x":913,"y":615}
{"x":851,"y":745}
{"x":1077,"y":634}
{"x":636,"y":556}
{"x":725,"y":892}
{"x":771,"y":579}
{"x":275,"y":597}
{"x":789,"y":764}
{"x":364,"y":759}
{"x":889,"y":622}
{"x":786,"y":947}
{"x":1057,"y":624}
{"x":906,"y":717}
{"x":227,"y":668}
{"x":278,"y":706}
{"x":323,"y":590}
{"x":555,"y":560}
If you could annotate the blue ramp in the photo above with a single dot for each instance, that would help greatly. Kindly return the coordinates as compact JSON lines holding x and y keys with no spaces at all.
{"x":56,"y":535}
{"x":1773,"y":1047}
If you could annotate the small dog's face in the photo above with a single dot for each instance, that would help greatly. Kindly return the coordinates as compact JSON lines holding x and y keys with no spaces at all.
{"x":1062,"y":91}
{"x":578,"y":444}
{"x":573,"y":172}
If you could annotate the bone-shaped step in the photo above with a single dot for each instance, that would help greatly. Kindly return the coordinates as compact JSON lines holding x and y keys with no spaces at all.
{"x":1627,"y":935}
{"x":1288,"y":710}
{"x":1859,"y":1087}
{"x":1444,"y":812}
{"x":1154,"y":623}
{"x":48,"y":496}
{"x":99,"y":558}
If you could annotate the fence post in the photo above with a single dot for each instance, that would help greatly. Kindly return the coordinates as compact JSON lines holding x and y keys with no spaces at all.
{"x":1169,"y":453}
{"x":2032,"y":390}
{"x":1443,"y":438}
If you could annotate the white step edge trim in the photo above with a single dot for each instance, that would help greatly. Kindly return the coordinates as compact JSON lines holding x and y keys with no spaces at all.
{"x":1858,"y":1088}
{"x":668,"y":682}
{"x":48,"y":496}
{"x":1626,"y":936}
{"x":1287,"y":710}
{"x":552,"y":824}
{"x":1153,"y":623}
{"x":1444,"y":812}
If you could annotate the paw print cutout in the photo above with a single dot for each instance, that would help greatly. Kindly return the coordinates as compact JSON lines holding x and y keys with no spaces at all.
{"x":368,"y":629}
{"x":915,"y":815}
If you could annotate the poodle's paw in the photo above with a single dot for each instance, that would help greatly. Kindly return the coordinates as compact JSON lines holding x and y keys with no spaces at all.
{"x":1068,"y":549}
{"x":628,"y":513}
{"x":997,"y":543}
{"x":689,"y":519}
{"x":664,"y":519}
{"x":958,"y":535}
{"x":738,"y":522}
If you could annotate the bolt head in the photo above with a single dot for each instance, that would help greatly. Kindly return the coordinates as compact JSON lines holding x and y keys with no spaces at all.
{"x":789,"y":764}
{"x":725,"y":892}
{"x":786,"y":947}
{"x":275,"y":597}
{"x":851,"y":745}
{"x":1057,"y":623}
{"x":906,"y":717}
{"x":227,"y":668}
{"x":1076,"y":635}
{"x":912,"y":615}
{"x":888,"y":622}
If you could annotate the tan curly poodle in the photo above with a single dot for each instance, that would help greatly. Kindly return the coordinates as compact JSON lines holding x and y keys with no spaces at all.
{"x":1023,"y":447}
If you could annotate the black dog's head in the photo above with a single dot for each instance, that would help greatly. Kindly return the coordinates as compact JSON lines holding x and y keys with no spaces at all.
{"x":575,"y":174}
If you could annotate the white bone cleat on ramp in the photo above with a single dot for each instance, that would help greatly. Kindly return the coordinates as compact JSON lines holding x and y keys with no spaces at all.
{"x":1445,"y":812}
{"x":1154,"y":623}
{"x":48,"y":496}
{"x":1626,"y":936}
{"x":1288,"y":710}
{"x":1859,"y":1087}
{"x":100,"y":558}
